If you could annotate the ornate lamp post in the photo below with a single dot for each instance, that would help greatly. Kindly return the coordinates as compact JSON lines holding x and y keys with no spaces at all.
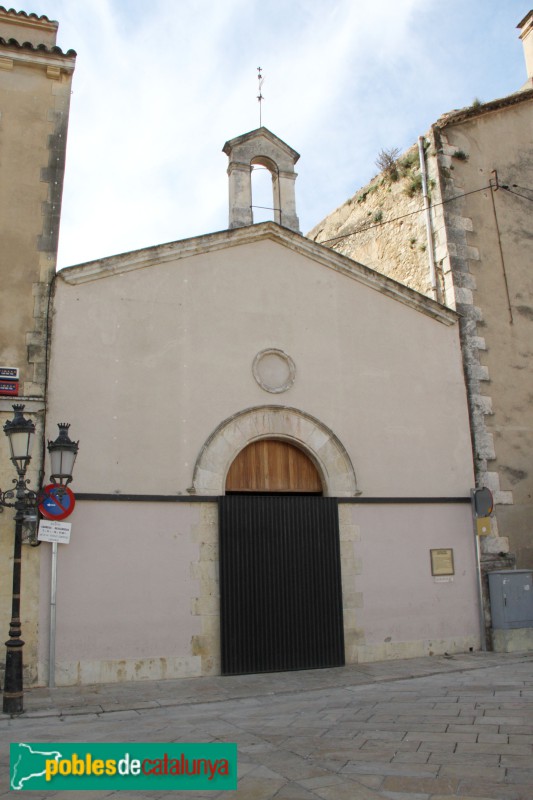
{"x":63,"y":454}
{"x":21,"y":434}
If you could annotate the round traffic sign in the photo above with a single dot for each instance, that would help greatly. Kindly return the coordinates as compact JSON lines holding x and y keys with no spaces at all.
{"x":58,"y":502}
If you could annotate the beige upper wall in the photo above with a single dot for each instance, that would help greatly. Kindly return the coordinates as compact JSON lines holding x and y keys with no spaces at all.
{"x":147,"y":364}
{"x":35,"y":87}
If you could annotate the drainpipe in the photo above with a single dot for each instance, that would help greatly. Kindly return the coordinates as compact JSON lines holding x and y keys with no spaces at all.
{"x":429,"y":232}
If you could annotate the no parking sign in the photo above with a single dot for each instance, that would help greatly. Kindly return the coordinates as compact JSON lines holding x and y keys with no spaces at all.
{"x":58,"y":502}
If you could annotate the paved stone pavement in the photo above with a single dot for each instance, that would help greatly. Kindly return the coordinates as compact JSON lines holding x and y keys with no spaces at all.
{"x":422,"y":729}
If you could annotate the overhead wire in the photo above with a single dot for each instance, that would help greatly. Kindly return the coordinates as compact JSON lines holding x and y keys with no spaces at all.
{"x":516,"y":186}
{"x":402,"y":216}
{"x":523,"y":196}
{"x":364,"y":228}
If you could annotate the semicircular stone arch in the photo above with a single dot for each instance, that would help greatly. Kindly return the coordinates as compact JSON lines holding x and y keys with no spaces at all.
{"x":266,"y":162}
{"x":274,"y":422}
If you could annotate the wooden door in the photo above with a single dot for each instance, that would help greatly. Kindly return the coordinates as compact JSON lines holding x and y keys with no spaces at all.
{"x":270,"y":465}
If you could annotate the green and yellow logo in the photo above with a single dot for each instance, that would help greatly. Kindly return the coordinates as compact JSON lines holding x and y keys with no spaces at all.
{"x":86,"y":766}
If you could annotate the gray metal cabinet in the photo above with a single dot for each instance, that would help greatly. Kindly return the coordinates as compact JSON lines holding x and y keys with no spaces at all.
{"x":511,"y":598}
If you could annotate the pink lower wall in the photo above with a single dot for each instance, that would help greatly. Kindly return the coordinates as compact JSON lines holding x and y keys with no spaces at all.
{"x":402,"y":601}
{"x":128,"y":583}
{"x":124,"y":583}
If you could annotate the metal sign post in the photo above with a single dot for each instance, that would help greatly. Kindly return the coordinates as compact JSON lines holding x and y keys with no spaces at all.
{"x":482,"y":504}
{"x":52,"y":637}
{"x":57,"y":503}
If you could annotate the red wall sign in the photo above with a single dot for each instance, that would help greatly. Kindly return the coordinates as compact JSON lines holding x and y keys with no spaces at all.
{"x":10,"y":388}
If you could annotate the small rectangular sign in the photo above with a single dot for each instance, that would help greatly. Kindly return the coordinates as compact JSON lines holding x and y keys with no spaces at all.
{"x":483,"y":526}
{"x":50,"y":531}
{"x":10,"y":388}
{"x":130,"y":766}
{"x":9,"y":373}
{"x":442,"y":561}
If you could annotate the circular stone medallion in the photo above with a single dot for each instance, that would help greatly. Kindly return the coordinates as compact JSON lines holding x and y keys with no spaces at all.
{"x":274,"y":370}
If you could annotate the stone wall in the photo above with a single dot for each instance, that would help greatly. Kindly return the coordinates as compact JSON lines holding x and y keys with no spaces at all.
{"x":35,"y":89}
{"x":488,"y":241}
{"x":383,"y":225}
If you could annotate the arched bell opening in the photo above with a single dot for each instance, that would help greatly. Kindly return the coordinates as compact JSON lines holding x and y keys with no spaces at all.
{"x":266,"y":199}
{"x":273,"y":466}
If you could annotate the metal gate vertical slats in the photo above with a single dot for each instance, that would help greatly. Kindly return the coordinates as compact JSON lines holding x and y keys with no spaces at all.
{"x":280,"y":583}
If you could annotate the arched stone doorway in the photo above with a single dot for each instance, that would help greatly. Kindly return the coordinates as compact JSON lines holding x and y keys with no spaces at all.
{"x":274,"y":422}
{"x":252,"y":565}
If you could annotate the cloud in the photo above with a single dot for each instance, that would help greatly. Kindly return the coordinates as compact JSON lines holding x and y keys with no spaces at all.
{"x":159,"y":88}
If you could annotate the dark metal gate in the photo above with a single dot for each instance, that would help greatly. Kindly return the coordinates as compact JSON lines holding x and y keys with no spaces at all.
{"x":280,"y":583}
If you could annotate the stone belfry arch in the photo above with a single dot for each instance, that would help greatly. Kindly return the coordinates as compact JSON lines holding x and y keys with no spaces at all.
{"x":263,"y":148}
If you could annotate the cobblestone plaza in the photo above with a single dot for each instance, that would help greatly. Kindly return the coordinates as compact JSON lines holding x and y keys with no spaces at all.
{"x":420,"y":729}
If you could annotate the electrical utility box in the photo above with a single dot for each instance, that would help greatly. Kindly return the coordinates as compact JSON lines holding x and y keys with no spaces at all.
{"x":511,"y":598}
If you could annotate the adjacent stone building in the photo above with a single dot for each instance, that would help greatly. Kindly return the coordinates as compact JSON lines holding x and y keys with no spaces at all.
{"x":475,"y":255}
{"x":35,"y":88}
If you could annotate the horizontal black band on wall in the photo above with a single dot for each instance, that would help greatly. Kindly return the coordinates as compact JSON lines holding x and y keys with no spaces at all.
{"x":147,"y":498}
{"x":193,"y":498}
{"x":412,"y":500}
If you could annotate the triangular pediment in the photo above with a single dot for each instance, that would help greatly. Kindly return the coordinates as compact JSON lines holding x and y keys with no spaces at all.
{"x":151,"y":257}
{"x":258,"y":134}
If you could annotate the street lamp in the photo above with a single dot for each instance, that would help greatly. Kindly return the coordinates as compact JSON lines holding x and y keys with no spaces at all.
{"x":63,"y":454}
{"x":21,"y":434}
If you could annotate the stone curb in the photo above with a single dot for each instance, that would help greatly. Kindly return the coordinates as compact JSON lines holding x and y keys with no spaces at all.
{"x":69,"y":701}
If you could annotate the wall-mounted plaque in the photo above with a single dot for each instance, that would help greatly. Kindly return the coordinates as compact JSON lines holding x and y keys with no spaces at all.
{"x":442,"y":561}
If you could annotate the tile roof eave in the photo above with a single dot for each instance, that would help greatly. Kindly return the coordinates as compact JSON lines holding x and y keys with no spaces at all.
{"x":32,"y":15}
{"x":40,"y":48}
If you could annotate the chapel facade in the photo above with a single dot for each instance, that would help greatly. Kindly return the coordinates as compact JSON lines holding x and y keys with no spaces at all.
{"x":281,"y":470}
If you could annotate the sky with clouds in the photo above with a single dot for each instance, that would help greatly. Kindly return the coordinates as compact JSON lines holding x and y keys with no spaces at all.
{"x":160,"y":86}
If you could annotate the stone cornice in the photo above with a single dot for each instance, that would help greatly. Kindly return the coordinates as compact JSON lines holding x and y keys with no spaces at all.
{"x":472,"y":112}
{"x":185,"y":248}
{"x":52,"y":65}
{"x":31,"y":404}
